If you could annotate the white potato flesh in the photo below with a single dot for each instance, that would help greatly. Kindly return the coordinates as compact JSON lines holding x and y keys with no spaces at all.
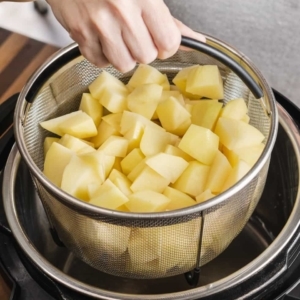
{"x":48,"y":142}
{"x":167,"y":165}
{"x":155,"y":141}
{"x":235,"y":134}
{"x":236,"y":174}
{"x":129,"y":119}
{"x":76,"y":177}
{"x":115,"y":146}
{"x":105,"y":130}
{"x":81,"y":126}
{"x":173,"y":150}
{"x":92,"y":107}
{"x":134,"y":136}
{"x":114,"y":100}
{"x":105,"y":80}
{"x":171,"y":143}
{"x":144,"y":99}
{"x":172,"y":114}
{"x":147,"y":201}
{"x":148,"y":179}
{"x":235,"y":109}
{"x":56,"y":160}
{"x":121,"y":181}
{"x":75,"y":144}
{"x":180,"y":81}
{"x":206,"y":81}
{"x":205,"y":113}
{"x":200,"y":143}
{"x":193,"y":179}
{"x":219,"y":172}
{"x":113,"y":120}
{"x":250,"y":154}
{"x":101,"y":162}
{"x":146,"y":74}
{"x":137,"y":170}
{"x":178,"y":199}
{"x":109,"y":196}
{"x":131,"y":160}
{"x":206,"y":195}
{"x":53,"y":125}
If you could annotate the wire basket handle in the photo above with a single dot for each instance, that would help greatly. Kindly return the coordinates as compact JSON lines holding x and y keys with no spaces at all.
{"x":227,"y":61}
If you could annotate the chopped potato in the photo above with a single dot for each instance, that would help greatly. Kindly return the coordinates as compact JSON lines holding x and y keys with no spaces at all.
{"x":155,"y":147}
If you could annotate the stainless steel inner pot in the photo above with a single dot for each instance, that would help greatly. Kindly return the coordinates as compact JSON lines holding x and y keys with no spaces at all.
{"x":272,"y":227}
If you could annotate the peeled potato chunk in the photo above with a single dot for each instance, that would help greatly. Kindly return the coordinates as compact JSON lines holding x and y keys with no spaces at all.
{"x":114,"y":99}
{"x":200,"y":143}
{"x":180,"y":81}
{"x":108,"y":196}
{"x":235,"y":134}
{"x":75,"y":144}
{"x":168,"y":166}
{"x":237,"y":173}
{"x":206,"y":81}
{"x":172,"y":115}
{"x":219,"y":172}
{"x":205,"y":113}
{"x":57,"y":158}
{"x":154,"y":141}
{"x":192,"y":180}
{"x":147,"y":201}
{"x":235,"y":109}
{"x":48,"y":142}
{"x":131,"y":160}
{"x":53,"y":125}
{"x":92,"y":107}
{"x":148,"y":179}
{"x":103,"y":81}
{"x":115,"y":146}
{"x":178,"y":199}
{"x":101,"y":162}
{"x":145,"y":74}
{"x":80,"y":126}
{"x":204,"y":196}
{"x":76,"y":177}
{"x":105,"y":130}
{"x":121,"y":181}
{"x":144,"y":99}
{"x":173,"y":150}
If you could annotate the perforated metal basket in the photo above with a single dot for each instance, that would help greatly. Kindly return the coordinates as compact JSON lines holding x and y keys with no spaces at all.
{"x":149,"y":245}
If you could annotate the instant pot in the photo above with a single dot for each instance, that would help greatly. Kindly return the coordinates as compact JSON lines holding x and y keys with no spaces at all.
{"x":261,"y":263}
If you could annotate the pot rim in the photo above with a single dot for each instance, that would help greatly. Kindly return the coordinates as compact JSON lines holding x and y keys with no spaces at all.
{"x":230,"y":281}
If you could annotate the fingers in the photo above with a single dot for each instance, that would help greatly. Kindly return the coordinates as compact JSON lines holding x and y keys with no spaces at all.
{"x":187,"y":31}
{"x":92,"y":51}
{"x":112,"y":31}
{"x":122,"y":32}
{"x":161,"y":26}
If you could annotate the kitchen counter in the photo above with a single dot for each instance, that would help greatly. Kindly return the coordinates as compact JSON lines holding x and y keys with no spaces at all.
{"x":20,"y":56}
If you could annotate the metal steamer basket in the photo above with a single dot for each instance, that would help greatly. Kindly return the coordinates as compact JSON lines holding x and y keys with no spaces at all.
{"x":162,"y":244}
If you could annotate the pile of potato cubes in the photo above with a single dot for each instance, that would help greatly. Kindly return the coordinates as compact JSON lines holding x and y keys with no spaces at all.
{"x":152,"y":146}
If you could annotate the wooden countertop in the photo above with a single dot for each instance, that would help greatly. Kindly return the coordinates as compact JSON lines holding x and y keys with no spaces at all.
{"x":20,"y":56}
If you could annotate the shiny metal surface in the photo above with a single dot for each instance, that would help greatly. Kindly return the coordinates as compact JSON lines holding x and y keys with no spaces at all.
{"x":275,"y":220}
{"x":110,"y":232}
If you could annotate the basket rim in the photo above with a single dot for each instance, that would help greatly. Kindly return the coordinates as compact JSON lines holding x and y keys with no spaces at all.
{"x":71,"y":52}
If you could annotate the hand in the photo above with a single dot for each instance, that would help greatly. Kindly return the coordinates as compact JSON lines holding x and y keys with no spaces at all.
{"x":121,"y":32}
